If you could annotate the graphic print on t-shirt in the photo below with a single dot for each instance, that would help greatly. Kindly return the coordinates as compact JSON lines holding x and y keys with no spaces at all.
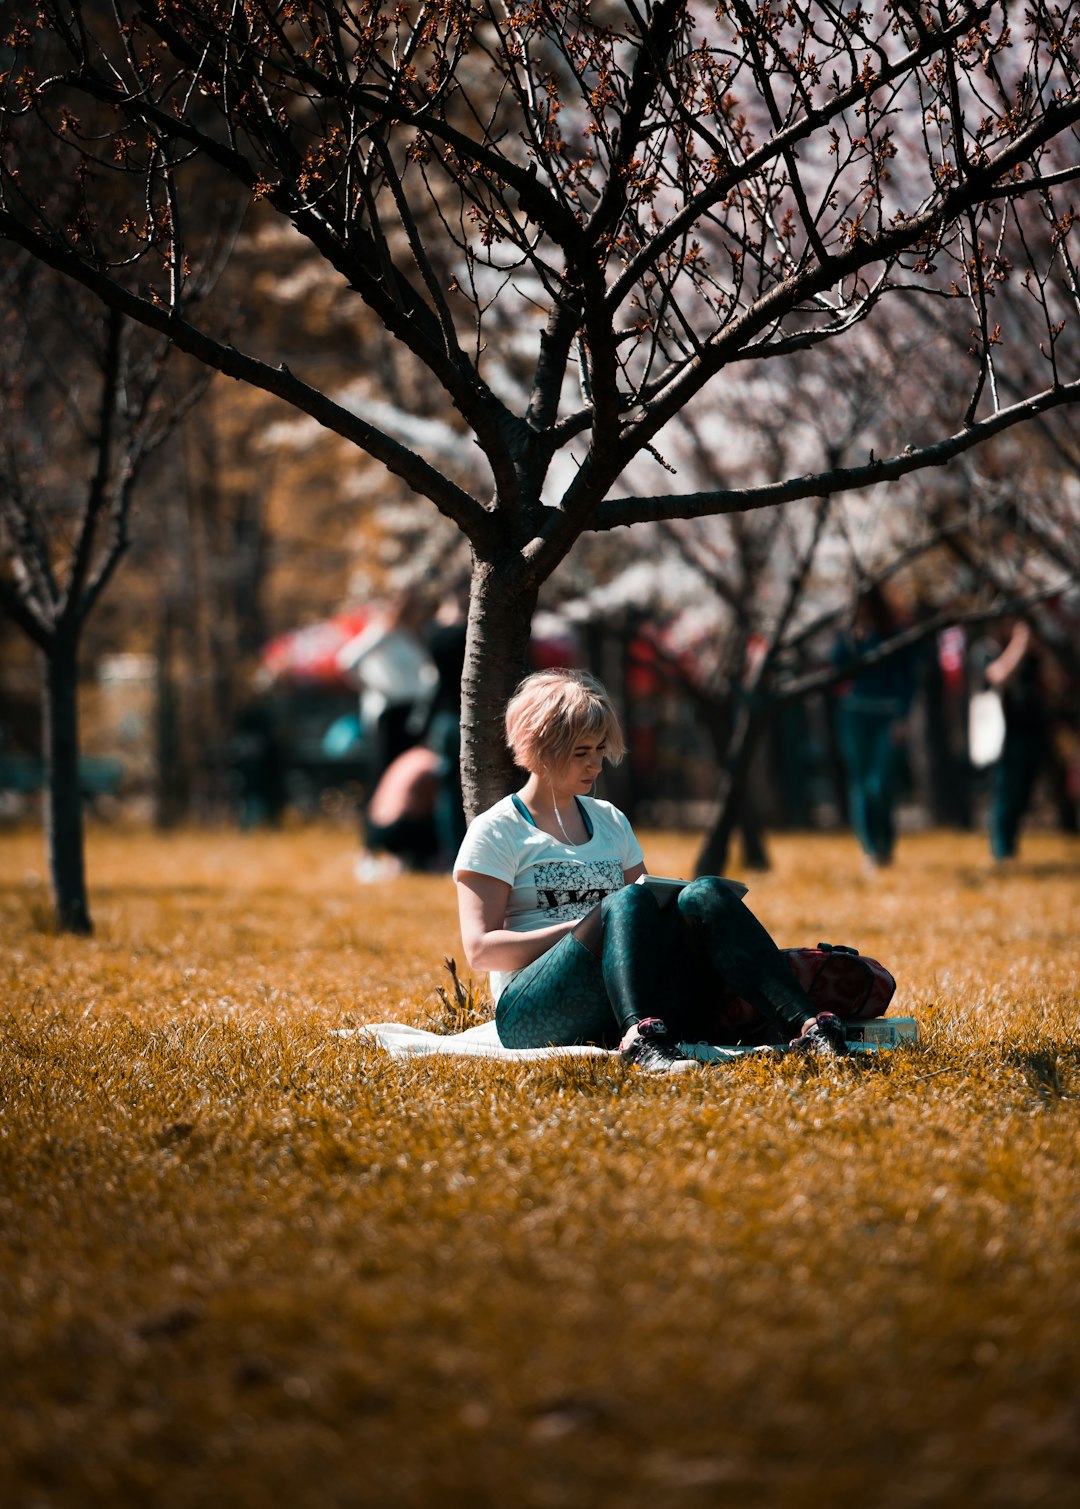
{"x":569,"y":890}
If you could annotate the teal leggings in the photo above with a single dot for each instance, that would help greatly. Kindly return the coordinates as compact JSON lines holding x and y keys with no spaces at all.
{"x":629,"y":959}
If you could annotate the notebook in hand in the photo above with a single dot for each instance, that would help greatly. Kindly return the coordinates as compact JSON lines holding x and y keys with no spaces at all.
{"x":664,"y":887}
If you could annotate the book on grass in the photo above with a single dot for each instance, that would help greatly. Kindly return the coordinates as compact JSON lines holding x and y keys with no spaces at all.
{"x":882,"y":1032}
{"x":664,"y":887}
{"x":876,"y":1036}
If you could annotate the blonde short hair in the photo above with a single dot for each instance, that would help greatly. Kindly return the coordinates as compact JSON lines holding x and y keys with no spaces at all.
{"x":552,"y":711}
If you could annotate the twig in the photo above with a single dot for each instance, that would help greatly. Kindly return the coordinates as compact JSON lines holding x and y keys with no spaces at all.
{"x":933,"y":1073}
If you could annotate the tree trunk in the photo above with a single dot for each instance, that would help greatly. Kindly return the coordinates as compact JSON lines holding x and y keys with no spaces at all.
{"x":755,"y":854}
{"x":496,"y":658}
{"x":63,"y":793}
{"x":171,"y":792}
{"x":736,"y":762}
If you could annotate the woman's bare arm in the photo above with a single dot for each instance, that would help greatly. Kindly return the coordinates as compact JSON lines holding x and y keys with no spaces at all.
{"x":1002,"y":670}
{"x":488,"y":942}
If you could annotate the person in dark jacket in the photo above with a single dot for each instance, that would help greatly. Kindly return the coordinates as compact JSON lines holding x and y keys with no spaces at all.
{"x":1016,"y":674}
{"x":872,"y":713}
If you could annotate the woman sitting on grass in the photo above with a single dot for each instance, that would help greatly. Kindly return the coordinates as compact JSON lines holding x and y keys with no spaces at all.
{"x":578,"y":953}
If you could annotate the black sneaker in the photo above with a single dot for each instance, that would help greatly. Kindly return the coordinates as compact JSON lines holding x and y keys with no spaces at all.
{"x":825,"y":1034}
{"x":653,"y":1049}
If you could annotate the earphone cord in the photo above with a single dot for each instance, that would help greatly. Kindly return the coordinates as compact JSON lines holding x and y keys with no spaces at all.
{"x":558,"y":816}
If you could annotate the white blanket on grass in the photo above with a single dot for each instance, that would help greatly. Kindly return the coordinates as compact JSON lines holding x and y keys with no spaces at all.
{"x":401,"y":1041}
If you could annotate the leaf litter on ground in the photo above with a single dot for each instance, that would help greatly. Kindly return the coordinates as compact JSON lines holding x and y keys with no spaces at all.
{"x":243,"y":1255}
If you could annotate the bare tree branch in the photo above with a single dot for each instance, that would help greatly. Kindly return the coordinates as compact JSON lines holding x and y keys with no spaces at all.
{"x":617,"y":512}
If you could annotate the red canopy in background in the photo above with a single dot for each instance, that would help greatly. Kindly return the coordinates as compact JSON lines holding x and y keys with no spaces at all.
{"x":307,"y":658}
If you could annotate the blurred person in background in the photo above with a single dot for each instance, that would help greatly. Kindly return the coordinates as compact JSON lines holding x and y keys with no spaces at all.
{"x":873,"y":708}
{"x":400,"y":831}
{"x":1012,"y":666}
{"x":257,"y":766}
{"x":396,"y":678}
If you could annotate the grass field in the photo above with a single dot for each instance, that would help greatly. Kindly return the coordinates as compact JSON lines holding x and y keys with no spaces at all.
{"x":246,"y":1260}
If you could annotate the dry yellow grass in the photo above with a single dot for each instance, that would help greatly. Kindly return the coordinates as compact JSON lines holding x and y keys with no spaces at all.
{"x":246,"y":1261}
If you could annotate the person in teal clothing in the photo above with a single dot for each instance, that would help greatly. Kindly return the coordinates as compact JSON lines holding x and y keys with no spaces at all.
{"x":576,"y":951}
{"x":873,"y":707}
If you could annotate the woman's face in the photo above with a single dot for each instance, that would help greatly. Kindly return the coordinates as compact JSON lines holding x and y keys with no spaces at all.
{"x":582,"y":765}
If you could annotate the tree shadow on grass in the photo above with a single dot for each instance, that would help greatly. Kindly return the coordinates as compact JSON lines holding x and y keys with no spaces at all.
{"x":1012,"y":870}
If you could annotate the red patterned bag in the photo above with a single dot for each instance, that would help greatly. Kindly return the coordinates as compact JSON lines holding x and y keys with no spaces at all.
{"x":836,"y":978}
{"x":840,"y":979}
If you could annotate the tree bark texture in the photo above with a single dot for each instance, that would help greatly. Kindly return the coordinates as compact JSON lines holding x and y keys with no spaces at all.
{"x":503,"y":599}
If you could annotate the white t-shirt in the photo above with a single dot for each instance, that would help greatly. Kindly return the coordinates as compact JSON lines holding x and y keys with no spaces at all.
{"x":392,"y":667}
{"x":550,"y":880}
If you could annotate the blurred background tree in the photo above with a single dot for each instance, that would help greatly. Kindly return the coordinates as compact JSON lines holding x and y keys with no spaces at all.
{"x":87,"y":405}
{"x":519,"y":246}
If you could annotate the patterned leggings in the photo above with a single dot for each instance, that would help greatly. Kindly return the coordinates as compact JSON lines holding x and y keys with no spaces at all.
{"x":629,"y":959}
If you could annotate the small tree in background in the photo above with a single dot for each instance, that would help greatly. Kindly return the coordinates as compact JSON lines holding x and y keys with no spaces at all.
{"x":577,"y":221}
{"x":85,"y":407}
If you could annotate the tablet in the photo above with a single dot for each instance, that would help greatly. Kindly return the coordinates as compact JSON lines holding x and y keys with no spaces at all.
{"x":664,"y":887}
